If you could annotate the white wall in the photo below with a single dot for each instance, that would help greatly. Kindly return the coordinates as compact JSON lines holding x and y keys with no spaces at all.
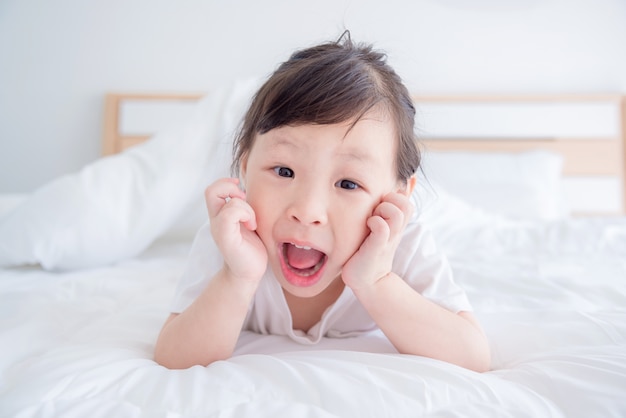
{"x":58,"y":58}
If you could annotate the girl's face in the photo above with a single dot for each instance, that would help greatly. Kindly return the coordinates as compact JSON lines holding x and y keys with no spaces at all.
{"x":312,"y":188}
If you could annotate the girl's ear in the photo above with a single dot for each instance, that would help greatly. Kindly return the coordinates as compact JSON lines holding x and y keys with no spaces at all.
{"x":408,"y":188}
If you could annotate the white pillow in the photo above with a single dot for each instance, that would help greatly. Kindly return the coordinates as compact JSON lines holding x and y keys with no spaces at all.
{"x":117,"y":206}
{"x":525,"y":185}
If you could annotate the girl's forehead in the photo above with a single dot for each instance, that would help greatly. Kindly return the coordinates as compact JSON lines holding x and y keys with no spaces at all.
{"x":378,"y":115}
{"x":369,"y":139}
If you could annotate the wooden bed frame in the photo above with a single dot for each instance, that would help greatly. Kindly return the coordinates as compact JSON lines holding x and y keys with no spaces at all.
{"x":583,"y":156}
{"x":114,"y":140}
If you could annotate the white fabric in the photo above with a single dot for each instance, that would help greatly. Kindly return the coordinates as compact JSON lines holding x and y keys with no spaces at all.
{"x":117,"y":206}
{"x":524,"y":185}
{"x":417,"y":261}
{"x":550,"y":295}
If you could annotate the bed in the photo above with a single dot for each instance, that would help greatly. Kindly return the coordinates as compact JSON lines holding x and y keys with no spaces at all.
{"x":525,"y":194}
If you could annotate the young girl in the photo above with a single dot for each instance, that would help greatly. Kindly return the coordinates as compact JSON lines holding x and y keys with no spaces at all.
{"x":315,"y":238}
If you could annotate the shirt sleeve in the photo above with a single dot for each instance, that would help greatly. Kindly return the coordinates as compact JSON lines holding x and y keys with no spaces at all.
{"x":203,"y":263}
{"x":427,"y":270}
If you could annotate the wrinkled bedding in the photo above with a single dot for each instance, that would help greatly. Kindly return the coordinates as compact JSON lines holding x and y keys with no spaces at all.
{"x":550,"y":295}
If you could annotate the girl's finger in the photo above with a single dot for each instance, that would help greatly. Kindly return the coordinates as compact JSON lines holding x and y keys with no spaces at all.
{"x":220,"y":192}
{"x":380,"y":231}
{"x":392,"y":215}
{"x":247,"y":216}
{"x":402,"y":202}
{"x":226,"y":227}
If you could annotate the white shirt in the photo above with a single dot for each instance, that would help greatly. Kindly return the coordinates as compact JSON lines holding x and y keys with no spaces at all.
{"x":417,"y":261}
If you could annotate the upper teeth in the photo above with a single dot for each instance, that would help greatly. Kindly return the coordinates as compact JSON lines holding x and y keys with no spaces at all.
{"x":302,"y":247}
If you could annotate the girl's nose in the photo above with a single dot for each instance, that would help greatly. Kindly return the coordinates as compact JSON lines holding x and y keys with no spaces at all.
{"x":309,"y":208}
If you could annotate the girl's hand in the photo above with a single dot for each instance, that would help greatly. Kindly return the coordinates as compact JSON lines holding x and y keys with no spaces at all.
{"x":233,"y":225}
{"x":374,"y":259}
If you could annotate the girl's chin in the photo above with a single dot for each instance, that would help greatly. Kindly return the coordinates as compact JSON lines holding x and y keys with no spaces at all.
{"x":308,"y":291}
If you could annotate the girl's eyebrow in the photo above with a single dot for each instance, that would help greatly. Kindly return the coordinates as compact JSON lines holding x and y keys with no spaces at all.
{"x":358,"y":155}
{"x":280,"y":141}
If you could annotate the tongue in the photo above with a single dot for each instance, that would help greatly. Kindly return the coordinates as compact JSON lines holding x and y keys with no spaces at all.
{"x":302,"y":259}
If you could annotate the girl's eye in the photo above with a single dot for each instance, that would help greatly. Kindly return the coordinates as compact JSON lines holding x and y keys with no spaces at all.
{"x":283,"y":171}
{"x":348,"y":185}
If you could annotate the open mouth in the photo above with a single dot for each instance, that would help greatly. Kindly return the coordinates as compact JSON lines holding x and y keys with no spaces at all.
{"x":302,"y":265}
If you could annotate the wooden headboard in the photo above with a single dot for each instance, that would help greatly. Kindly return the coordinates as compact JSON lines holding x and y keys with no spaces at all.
{"x":589,"y":131}
{"x":131,"y":118}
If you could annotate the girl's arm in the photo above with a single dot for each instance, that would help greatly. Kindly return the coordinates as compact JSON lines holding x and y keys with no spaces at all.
{"x":209,"y":328}
{"x":413,"y":324}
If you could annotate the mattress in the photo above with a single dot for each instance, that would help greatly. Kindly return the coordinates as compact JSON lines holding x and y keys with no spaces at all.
{"x":551,"y":296}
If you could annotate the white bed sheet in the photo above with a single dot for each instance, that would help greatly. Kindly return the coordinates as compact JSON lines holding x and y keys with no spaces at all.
{"x":551,"y":297}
